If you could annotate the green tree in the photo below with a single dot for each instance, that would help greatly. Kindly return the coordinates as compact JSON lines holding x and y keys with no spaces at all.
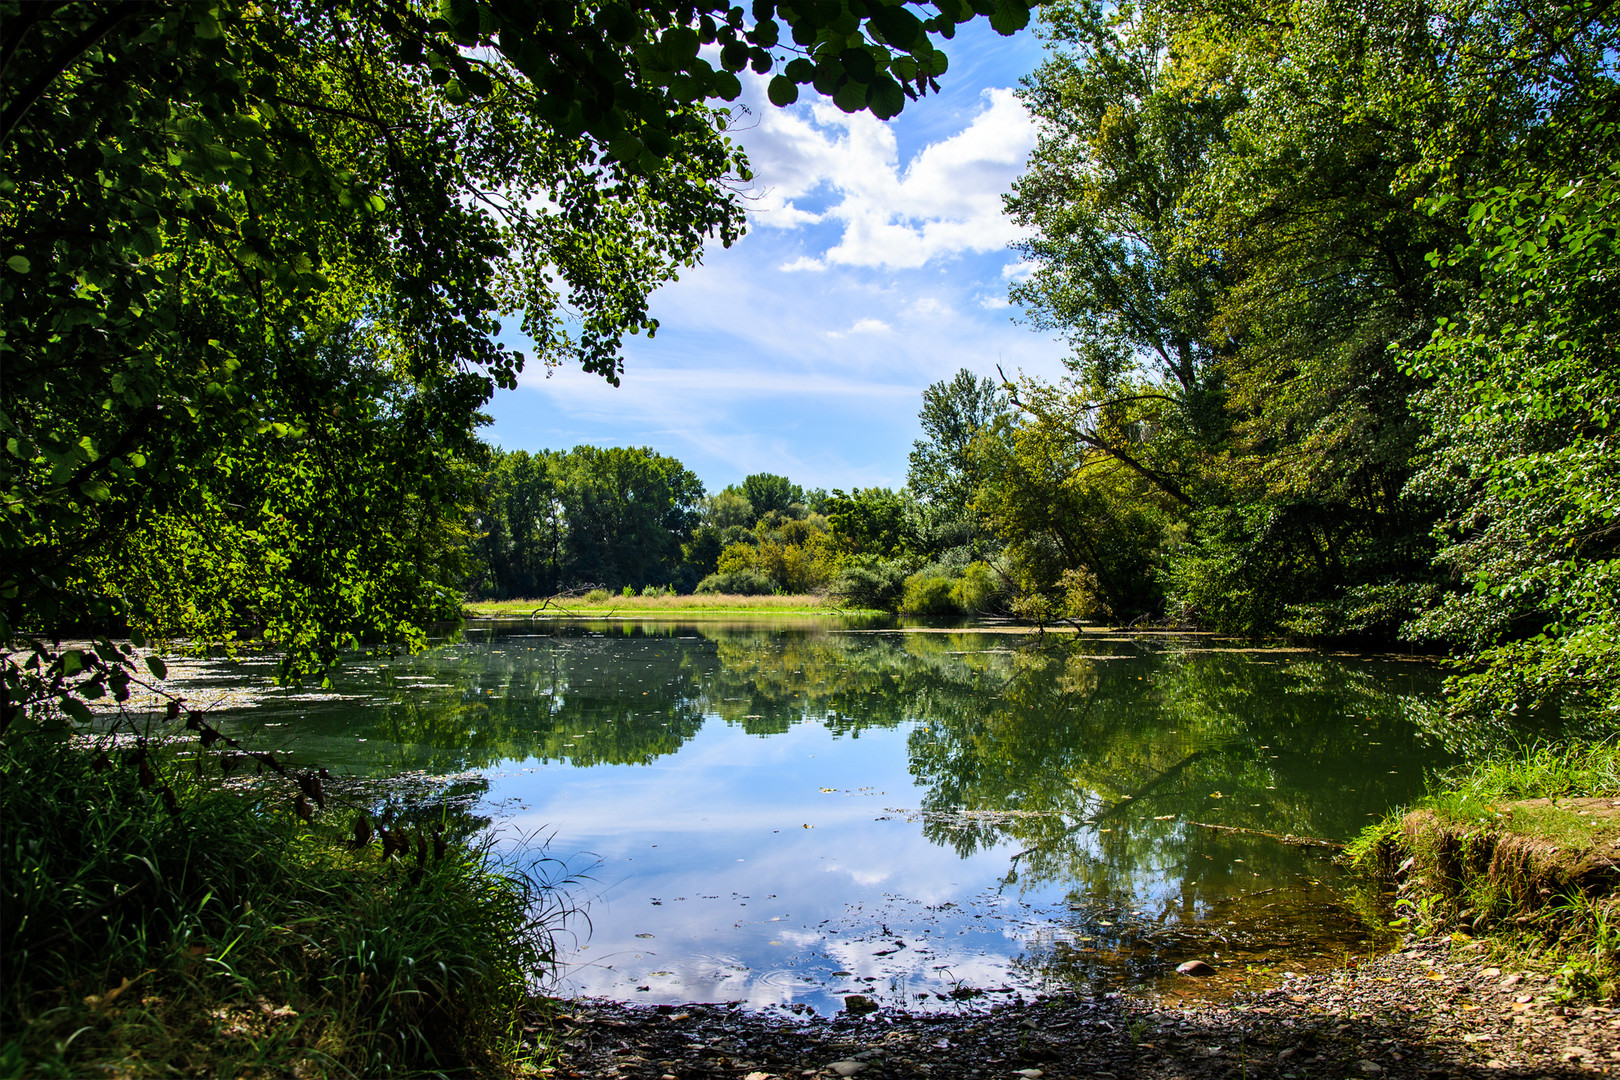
{"x":521,"y":524}
{"x":945,"y":470}
{"x":729,"y":508}
{"x":247,"y":185}
{"x":628,"y":511}
{"x":1085,"y":534}
{"x":1222,"y":206}
{"x":242,"y":180}
{"x":871,"y":521}
{"x":1522,"y":399}
{"x":767,"y":493}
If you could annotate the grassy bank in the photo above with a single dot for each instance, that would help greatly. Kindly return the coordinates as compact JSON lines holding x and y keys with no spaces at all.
{"x":1524,"y":849}
{"x":603,"y":604}
{"x":222,"y":936}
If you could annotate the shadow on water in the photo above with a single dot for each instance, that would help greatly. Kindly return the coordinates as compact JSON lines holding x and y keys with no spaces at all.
{"x":1017,"y":811}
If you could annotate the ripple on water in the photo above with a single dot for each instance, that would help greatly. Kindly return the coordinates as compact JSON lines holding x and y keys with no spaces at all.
{"x":786,"y":980}
{"x":716,"y":967}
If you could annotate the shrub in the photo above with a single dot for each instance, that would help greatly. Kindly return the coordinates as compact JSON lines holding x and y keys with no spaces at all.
{"x":745,"y":582}
{"x":978,"y":591}
{"x":871,"y":583}
{"x":927,"y":595}
{"x":734,"y":557}
{"x":596,"y":596}
{"x":1083,"y":596}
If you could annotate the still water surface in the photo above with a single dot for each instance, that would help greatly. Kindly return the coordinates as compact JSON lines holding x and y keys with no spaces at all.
{"x":786,"y":815}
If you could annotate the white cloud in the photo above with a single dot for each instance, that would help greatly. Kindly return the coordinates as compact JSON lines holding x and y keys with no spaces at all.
{"x":804,"y":349}
{"x":1018,"y":271}
{"x":945,"y":201}
{"x":992,"y":302}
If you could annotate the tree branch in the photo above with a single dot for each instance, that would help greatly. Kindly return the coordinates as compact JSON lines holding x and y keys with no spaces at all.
{"x":30,"y":94}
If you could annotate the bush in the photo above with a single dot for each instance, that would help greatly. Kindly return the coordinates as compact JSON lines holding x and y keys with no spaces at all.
{"x":871,"y":583}
{"x":927,"y":595}
{"x":735,"y":557}
{"x":746,"y":582}
{"x":198,"y":912}
{"x":978,"y":591}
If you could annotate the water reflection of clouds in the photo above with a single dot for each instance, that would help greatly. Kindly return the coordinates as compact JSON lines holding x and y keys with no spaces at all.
{"x":706,"y":816}
{"x":743,"y":903}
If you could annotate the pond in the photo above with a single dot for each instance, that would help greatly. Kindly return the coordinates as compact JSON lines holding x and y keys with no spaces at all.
{"x":788,"y":814}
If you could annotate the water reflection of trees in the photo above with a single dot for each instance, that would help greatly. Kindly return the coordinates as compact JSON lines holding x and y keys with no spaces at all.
{"x":1118,"y":757}
{"x":1092,"y":758}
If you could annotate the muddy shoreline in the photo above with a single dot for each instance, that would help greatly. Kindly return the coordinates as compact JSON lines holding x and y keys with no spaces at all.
{"x":1432,"y":1008}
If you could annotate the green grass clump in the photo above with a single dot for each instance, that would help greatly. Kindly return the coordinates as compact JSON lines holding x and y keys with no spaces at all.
{"x":1475,"y":791}
{"x":1540,"y":772}
{"x":1495,"y":847}
{"x":222,"y":936}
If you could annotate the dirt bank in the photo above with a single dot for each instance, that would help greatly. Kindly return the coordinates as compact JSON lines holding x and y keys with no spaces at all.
{"x":1432,"y":1009}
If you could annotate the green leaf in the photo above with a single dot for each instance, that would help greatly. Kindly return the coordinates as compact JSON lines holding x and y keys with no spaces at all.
{"x":898,"y":26}
{"x":859,"y":64}
{"x":1010,"y":17}
{"x":157,"y":667}
{"x":783,"y":91}
{"x":851,"y":96}
{"x":829,"y":75}
{"x":18,"y":263}
{"x":766,"y":33}
{"x":76,"y":709}
{"x":887,"y":99}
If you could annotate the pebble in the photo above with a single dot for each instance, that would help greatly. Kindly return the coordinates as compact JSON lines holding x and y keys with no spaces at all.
{"x":1196,"y":967}
{"x":1387,"y":1018}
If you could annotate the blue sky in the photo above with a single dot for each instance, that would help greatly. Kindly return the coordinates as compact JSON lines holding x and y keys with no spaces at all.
{"x":876,"y":263}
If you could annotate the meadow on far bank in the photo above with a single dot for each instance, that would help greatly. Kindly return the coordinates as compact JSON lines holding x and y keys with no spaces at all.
{"x":605,"y":604}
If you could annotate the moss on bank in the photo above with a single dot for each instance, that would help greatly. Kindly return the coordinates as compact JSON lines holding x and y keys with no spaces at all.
{"x":1524,"y":848}
{"x":222,"y":936}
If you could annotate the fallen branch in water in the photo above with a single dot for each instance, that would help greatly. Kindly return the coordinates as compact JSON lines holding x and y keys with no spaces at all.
{"x":1282,"y":838}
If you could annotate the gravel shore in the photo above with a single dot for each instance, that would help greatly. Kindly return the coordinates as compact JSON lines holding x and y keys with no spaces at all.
{"x":1431,"y":1009}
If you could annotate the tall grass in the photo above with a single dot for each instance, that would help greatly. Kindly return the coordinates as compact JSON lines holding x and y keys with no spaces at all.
{"x":222,"y":936}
